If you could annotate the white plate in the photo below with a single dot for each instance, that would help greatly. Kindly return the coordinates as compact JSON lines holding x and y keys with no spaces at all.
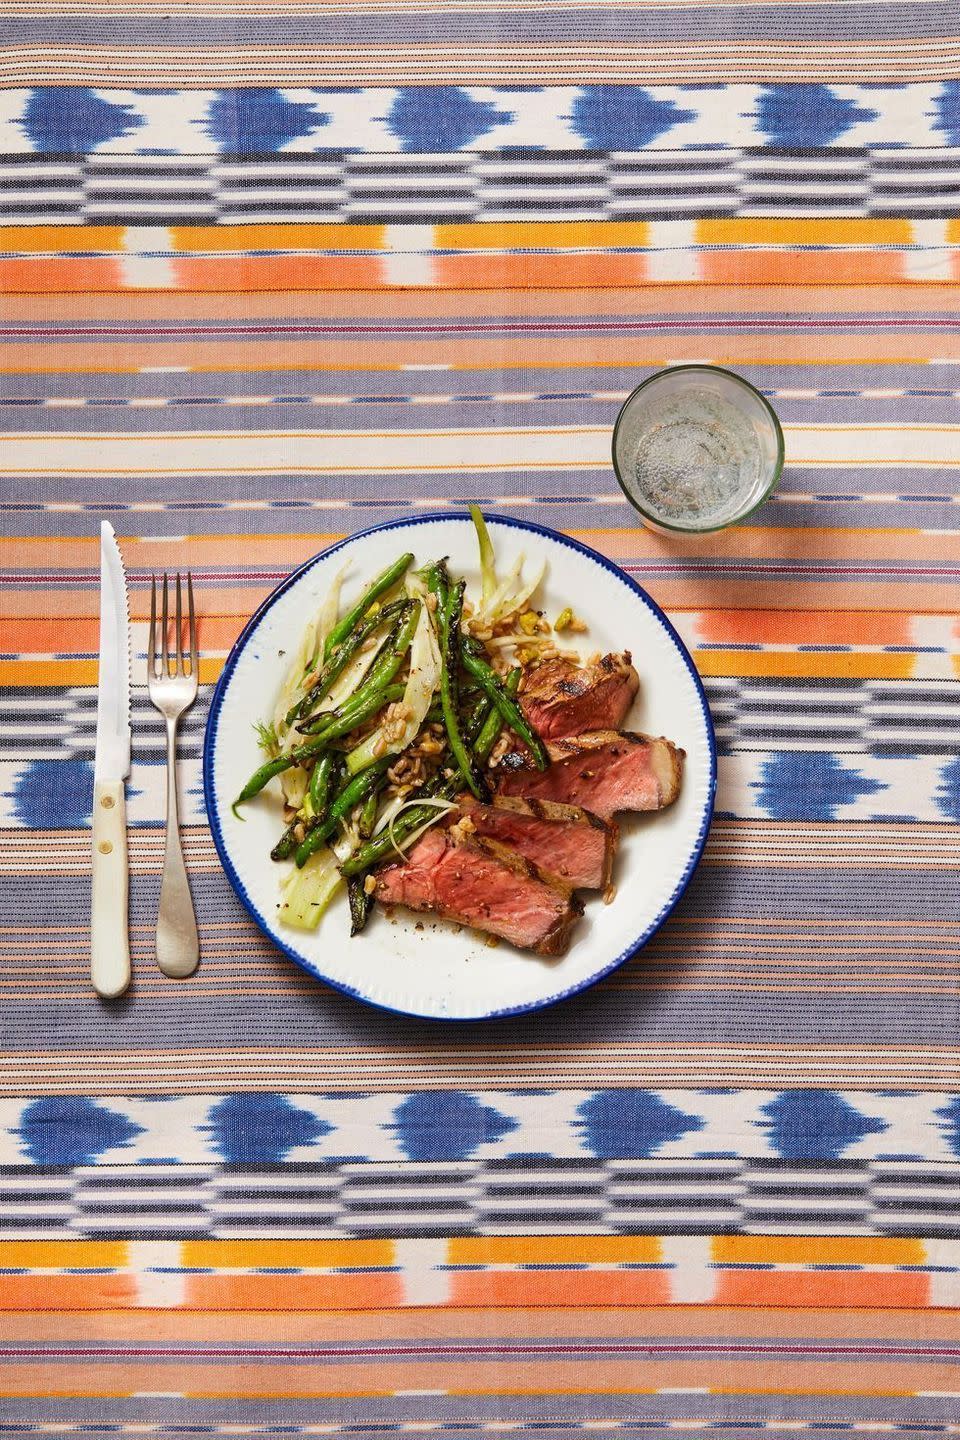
{"x":437,"y":971}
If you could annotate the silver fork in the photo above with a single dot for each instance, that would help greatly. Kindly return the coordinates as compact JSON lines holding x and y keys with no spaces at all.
{"x":173,"y":689}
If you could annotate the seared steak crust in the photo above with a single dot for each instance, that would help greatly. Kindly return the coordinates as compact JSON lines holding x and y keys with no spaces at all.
{"x":488,"y":886}
{"x":606,"y":771}
{"x":564,"y":840}
{"x":564,"y":699}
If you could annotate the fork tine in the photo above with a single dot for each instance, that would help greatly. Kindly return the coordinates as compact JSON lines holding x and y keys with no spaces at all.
{"x":179,"y":631}
{"x":165,"y":622}
{"x":193,"y":626}
{"x":151,"y":640}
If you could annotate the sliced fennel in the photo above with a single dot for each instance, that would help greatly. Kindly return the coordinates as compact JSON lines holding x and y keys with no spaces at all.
{"x":294,"y":783}
{"x":401,"y":846}
{"x":501,"y":598}
{"x":515,"y":592}
{"x":388,"y":811}
{"x":421,"y":686}
{"x":306,"y":893}
{"x":488,"y":568}
{"x":310,"y":647}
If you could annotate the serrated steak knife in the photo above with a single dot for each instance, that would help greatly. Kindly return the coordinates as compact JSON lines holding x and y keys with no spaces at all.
{"x":109,"y":943}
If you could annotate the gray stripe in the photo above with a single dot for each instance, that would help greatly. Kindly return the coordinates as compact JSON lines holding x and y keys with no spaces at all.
{"x":571,"y":1409}
{"x":514,"y":184}
{"x":556,"y":499}
{"x":315,"y":1016}
{"x":572,"y":378}
{"x":735,"y":25}
{"x":385,"y":404}
{"x":389,"y":1199}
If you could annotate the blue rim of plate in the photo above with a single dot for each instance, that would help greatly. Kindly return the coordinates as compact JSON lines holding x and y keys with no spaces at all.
{"x":213,"y":719}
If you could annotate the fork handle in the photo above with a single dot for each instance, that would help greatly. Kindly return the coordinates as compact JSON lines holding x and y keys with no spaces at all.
{"x":109,"y":942}
{"x":178,"y":948}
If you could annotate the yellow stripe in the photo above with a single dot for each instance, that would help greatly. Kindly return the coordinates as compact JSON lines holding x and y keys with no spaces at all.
{"x":77,"y":672}
{"x":295,"y":1254}
{"x":553,"y":1249}
{"x":481,"y":235}
{"x":803,"y":664}
{"x":816,"y":1250}
{"x":63,"y":1254}
{"x":60,"y":237}
{"x":191,"y":238}
{"x":801,"y":231}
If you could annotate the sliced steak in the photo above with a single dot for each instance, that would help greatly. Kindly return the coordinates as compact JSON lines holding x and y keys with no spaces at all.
{"x":607,"y":771}
{"x":563,"y":699}
{"x":561,"y":839}
{"x":483,"y":884}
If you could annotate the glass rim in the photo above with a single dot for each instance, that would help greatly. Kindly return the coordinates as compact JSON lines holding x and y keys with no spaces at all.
{"x":777,"y":469}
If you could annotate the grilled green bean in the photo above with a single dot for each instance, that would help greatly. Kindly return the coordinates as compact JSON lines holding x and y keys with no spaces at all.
{"x":263,"y":776}
{"x":380,"y":586}
{"x":360,"y":904}
{"x":368,"y":815}
{"x":487,"y":678}
{"x":318,"y":793}
{"x":437,"y":581}
{"x":353,"y":793}
{"x":388,"y":659}
{"x":340,"y":658}
{"x":321,"y":781}
{"x":347,"y":719}
{"x":383,"y":845}
{"x":450,"y":613}
{"x":493,"y":724}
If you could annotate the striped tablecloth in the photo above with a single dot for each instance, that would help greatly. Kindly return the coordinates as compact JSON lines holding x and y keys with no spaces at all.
{"x":273,"y":271}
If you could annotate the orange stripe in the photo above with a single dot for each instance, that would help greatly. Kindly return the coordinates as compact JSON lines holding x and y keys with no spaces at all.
{"x":40,"y":635}
{"x":850,"y":1290}
{"x":49,"y":277}
{"x":270,"y":1379}
{"x":511,"y":354}
{"x":912,"y":299}
{"x":67,"y":1292}
{"x":51,"y":1254}
{"x":819,"y":544}
{"x":433,"y":1323}
{"x":79,"y":672}
{"x":379,"y":1291}
{"x":843,"y":267}
{"x":613,"y":1287}
{"x":279,"y":272}
{"x":795,"y":627}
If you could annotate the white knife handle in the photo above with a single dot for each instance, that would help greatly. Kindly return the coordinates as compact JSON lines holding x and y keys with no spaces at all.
{"x":109,"y":945}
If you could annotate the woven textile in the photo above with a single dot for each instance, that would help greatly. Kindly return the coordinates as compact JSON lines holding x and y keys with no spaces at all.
{"x":272,"y":272}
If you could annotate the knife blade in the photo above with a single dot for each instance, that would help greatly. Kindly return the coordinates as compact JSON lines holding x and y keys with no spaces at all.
{"x":109,"y":942}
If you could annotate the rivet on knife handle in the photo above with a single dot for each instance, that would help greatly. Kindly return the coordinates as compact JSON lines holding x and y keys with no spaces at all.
{"x":109,"y":943}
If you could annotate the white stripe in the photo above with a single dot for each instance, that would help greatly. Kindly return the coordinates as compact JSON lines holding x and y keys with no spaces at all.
{"x":408,"y":450}
{"x":156,"y":1291}
{"x":424,"y":1283}
{"x":147,"y":272}
{"x":673,"y":257}
{"x":401,"y":267}
{"x":934,"y":257}
{"x":693,"y":1281}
